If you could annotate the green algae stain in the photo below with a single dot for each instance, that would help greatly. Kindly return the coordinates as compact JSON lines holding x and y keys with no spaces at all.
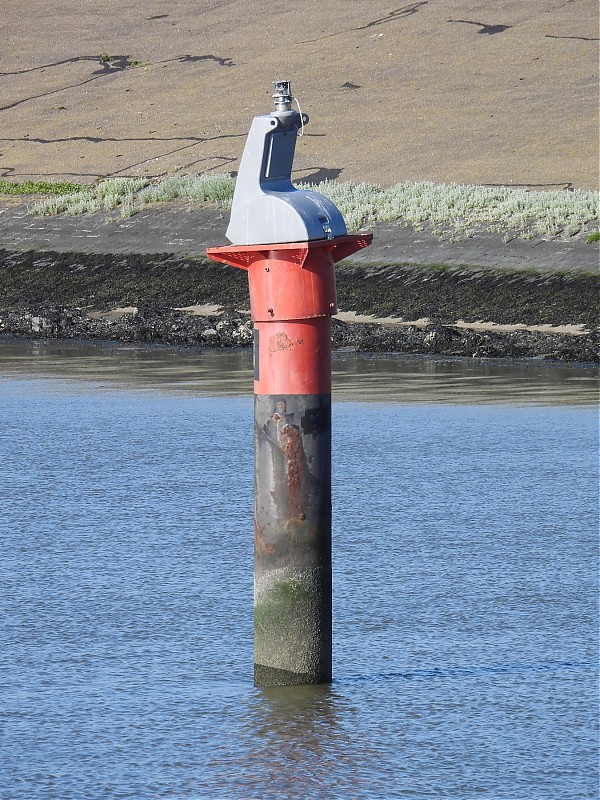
{"x":281,"y":604}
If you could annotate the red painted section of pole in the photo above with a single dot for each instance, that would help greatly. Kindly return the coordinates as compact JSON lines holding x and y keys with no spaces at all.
{"x":292,"y":297}
{"x":293,"y":357}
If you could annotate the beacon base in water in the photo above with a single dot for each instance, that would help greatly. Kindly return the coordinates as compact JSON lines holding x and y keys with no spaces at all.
{"x":288,"y":241}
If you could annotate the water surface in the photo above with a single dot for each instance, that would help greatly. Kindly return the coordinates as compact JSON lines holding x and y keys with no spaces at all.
{"x":465,"y":584}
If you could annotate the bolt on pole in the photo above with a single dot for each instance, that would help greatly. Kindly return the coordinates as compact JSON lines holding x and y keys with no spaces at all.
{"x":288,"y":241}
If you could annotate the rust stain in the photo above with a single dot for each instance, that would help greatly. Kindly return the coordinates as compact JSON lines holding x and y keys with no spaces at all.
{"x":261,"y":546}
{"x":291,"y":441}
{"x":279,"y":342}
{"x":291,"y":470}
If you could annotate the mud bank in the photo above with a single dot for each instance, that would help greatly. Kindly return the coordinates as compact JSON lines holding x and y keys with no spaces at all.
{"x":153,"y":323}
{"x":142,"y":298}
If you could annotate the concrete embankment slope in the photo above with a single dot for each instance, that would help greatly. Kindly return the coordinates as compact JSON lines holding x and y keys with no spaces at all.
{"x":461,"y":91}
{"x":65,"y":276}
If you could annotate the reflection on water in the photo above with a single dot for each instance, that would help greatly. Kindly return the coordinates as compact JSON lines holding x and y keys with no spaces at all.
{"x":402,"y":379}
{"x":357,"y":377}
{"x":280,"y":719}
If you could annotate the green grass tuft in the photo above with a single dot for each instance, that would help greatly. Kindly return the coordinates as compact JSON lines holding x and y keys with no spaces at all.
{"x":105,"y":196}
{"x":38,"y":187}
{"x":592,"y":237}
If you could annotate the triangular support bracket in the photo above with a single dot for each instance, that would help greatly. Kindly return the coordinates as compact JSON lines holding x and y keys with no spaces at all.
{"x":243,"y":256}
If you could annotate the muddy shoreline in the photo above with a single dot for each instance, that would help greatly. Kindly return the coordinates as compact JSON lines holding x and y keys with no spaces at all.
{"x":70,"y":295}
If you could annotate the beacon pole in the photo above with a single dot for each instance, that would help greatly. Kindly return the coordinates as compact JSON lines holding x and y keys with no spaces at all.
{"x":288,"y":241}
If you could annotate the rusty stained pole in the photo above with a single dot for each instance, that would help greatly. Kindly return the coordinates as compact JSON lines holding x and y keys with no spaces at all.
{"x":292,"y":298}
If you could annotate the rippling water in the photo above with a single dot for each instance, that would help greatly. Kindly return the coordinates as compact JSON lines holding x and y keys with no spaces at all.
{"x":465,"y":583}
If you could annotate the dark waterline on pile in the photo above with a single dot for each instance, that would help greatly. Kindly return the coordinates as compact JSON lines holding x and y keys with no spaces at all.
{"x":465,"y":583}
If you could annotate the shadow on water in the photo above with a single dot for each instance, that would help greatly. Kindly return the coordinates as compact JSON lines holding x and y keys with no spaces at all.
{"x":474,"y":671}
{"x":356,"y":377}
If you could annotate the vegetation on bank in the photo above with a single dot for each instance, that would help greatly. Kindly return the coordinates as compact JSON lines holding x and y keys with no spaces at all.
{"x":133,"y":194}
{"x":39,"y":187}
{"x":455,"y":209}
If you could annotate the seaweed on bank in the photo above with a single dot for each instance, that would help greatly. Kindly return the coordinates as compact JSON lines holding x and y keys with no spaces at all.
{"x":160,"y":324}
{"x":449,"y":340}
{"x":103,"y":281}
{"x":150,"y":323}
{"x":73,"y":295}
